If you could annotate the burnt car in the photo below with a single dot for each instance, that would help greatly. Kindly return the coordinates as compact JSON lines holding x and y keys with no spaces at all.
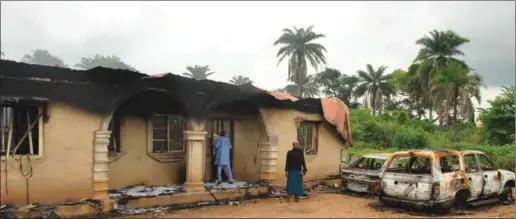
{"x":363,"y":174}
{"x":441,"y":179}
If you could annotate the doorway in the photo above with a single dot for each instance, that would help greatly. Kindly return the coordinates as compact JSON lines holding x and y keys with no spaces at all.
{"x":214,"y":126}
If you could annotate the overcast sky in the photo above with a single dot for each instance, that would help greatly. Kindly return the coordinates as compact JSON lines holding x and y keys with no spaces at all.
{"x":236,"y":38}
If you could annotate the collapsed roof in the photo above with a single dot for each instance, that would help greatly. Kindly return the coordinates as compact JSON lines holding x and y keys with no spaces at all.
{"x":101,"y":90}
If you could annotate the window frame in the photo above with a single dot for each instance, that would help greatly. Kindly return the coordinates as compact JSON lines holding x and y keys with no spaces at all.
{"x":488,"y":159}
{"x":315,"y":136}
{"x":150,"y":135}
{"x":40,"y":138}
{"x":449,"y":156}
{"x":466,"y":166}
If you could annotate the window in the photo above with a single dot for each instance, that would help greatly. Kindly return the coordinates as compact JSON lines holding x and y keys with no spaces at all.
{"x":398,"y":165}
{"x":307,"y":136}
{"x":485,"y":162}
{"x":20,"y":128}
{"x":412,"y":165}
{"x":471,"y":163}
{"x":449,"y":164}
{"x":420,"y":165}
{"x":167,"y":133}
{"x":369,"y":164}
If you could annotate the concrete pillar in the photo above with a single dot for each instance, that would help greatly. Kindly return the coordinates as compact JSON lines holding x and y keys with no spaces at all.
{"x":195,"y":157}
{"x":269,"y":159}
{"x":100,"y":165}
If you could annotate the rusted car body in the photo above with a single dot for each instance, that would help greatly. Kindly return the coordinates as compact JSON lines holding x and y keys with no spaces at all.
{"x":363,"y":174}
{"x":441,"y":179}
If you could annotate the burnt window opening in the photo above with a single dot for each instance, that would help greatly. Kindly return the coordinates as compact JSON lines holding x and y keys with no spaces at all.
{"x":369,"y":164}
{"x":398,"y":165}
{"x":471,"y":163}
{"x":411,"y":165}
{"x":114,"y":146}
{"x":167,"y":133}
{"x":485,"y":163}
{"x":449,"y":164}
{"x":308,"y":137}
{"x":16,"y":136}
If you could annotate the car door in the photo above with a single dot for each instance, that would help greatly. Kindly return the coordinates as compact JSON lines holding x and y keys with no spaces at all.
{"x":474,"y":175}
{"x":492,"y":181}
{"x":451,"y":180}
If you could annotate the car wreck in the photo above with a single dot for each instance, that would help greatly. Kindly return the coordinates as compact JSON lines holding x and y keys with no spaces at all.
{"x":363,"y":174}
{"x":442,"y":179}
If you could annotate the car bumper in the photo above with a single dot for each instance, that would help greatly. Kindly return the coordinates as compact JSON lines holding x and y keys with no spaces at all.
{"x":419,"y":205}
{"x":365,"y":186}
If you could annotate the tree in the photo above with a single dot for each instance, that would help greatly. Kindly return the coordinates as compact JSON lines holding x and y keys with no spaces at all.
{"x":238,"y":80}
{"x":452,"y":89}
{"x":304,"y":89}
{"x":437,"y":50}
{"x":297,"y":45}
{"x":198,"y":72}
{"x":336,"y":84}
{"x":375,"y":86}
{"x":109,"y":61}
{"x":498,"y":120}
{"x":43,"y":57}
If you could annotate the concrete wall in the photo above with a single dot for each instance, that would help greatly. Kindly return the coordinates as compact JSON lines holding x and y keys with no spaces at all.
{"x":325,"y":163}
{"x":64,"y":172}
{"x":135,"y":167}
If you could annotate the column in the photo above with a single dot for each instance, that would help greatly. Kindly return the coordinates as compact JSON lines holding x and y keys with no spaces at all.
{"x":100,"y":165}
{"x":195,"y":156}
{"x":269,"y":159}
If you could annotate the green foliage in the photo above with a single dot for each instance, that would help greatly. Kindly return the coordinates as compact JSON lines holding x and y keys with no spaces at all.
{"x":411,"y":139}
{"x":198,"y":72}
{"x":336,"y":84}
{"x":498,"y":120}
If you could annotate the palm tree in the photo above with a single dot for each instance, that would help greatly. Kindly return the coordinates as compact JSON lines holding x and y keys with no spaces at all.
{"x":109,"y":61}
{"x":453,"y":88}
{"x":198,"y":72}
{"x":305,"y":88}
{"x":238,"y":80}
{"x":375,"y":86}
{"x":437,"y":50}
{"x":297,"y":45}
{"x":43,"y":57}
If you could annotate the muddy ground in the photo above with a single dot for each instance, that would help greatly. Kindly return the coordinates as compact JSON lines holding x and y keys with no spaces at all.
{"x":324,"y":205}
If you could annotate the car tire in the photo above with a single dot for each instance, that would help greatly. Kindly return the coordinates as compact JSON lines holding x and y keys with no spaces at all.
{"x":506,"y":194}
{"x":461,"y":201}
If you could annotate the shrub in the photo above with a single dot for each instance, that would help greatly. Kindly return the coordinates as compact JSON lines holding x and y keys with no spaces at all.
{"x":411,"y":139}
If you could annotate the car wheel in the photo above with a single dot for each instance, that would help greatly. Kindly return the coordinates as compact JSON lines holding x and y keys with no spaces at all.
{"x":461,"y":201}
{"x":507,"y":194}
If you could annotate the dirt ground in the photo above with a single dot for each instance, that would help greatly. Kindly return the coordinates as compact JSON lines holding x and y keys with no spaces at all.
{"x":324,"y":205}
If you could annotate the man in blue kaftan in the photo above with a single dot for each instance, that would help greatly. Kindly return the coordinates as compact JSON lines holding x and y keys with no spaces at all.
{"x":222,"y":156}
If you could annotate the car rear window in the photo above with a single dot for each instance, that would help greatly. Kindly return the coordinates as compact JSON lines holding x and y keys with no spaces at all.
{"x":410,"y":165}
{"x":369,"y":164}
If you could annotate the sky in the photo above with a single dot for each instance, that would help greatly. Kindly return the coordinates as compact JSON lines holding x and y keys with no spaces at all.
{"x":236,"y":38}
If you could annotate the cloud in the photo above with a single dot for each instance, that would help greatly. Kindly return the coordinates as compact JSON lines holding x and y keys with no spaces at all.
{"x":237,"y":37}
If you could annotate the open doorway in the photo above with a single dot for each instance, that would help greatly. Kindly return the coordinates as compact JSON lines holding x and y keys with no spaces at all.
{"x":214,"y":126}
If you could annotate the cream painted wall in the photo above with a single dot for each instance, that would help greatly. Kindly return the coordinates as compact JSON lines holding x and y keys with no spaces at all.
{"x":325,"y":163}
{"x":135,"y":167}
{"x":65,"y":171}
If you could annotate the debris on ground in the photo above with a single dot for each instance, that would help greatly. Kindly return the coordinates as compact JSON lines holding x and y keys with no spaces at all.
{"x":145,"y":191}
{"x":227,"y":186}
